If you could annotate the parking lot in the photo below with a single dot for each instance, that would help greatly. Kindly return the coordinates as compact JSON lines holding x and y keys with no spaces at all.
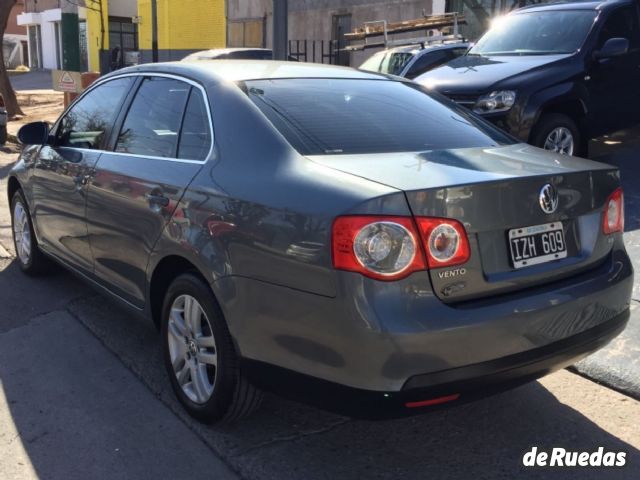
{"x":83,"y":394}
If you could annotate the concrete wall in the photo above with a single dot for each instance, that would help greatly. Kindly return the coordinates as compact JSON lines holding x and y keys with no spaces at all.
{"x":312,"y":20}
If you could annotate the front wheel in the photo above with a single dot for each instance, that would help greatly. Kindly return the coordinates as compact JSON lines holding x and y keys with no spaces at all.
{"x":558,"y":133}
{"x":200,"y":357}
{"x":31,"y":260}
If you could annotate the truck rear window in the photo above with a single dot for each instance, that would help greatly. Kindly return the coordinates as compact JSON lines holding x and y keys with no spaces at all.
{"x":354,"y":116}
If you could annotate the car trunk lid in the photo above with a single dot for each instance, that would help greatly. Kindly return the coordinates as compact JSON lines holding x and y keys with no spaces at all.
{"x":492,"y":191}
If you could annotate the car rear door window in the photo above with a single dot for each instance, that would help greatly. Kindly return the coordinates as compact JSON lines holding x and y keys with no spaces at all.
{"x":195,"y":137}
{"x":152,"y":124}
{"x":86,"y":123}
{"x":428,"y":61}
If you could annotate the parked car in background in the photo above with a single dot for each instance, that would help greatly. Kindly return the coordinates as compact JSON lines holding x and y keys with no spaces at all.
{"x":233,"y":54}
{"x":412,"y":60}
{"x":552,"y":75}
{"x":375,"y":258}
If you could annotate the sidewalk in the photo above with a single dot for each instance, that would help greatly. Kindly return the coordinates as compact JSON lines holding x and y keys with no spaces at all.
{"x":70,"y":410}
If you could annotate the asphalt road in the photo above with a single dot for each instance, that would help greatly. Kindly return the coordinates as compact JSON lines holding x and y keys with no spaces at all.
{"x":83,"y":395}
{"x":618,"y":365}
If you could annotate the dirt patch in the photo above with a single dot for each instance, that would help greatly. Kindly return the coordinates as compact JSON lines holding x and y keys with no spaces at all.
{"x":37,"y":106}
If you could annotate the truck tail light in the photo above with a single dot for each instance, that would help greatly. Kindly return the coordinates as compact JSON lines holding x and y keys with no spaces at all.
{"x":391,"y":248}
{"x":614,"y":213}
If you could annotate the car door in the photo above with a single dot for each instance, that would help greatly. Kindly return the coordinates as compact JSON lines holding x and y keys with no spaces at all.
{"x":613,"y":86}
{"x":164,"y":136}
{"x":63,"y":168}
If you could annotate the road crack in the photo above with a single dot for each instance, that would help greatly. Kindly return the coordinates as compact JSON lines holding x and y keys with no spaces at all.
{"x":292,"y":438}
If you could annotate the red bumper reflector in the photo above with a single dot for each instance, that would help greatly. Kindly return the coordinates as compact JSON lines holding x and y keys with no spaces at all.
{"x":433,"y":401}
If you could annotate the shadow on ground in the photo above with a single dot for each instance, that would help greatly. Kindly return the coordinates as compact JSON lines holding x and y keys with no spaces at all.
{"x":288,"y":440}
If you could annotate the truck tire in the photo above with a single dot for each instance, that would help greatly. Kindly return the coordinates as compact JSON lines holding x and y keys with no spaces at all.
{"x":558,"y":133}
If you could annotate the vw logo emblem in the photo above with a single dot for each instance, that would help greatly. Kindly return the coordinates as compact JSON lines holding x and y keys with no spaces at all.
{"x":548,"y":198}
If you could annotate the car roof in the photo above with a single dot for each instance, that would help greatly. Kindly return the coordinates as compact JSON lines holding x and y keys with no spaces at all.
{"x":224,"y":51}
{"x":569,"y":5}
{"x":242,"y":70}
{"x":416,"y":47}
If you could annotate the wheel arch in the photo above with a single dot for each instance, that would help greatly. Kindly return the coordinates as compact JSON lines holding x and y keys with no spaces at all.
{"x":165,"y":271}
{"x":13,"y":185}
{"x":574,"y":107}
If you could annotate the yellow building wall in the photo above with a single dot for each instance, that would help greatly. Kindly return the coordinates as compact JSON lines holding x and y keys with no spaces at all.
{"x":96,"y":39}
{"x":184,"y":24}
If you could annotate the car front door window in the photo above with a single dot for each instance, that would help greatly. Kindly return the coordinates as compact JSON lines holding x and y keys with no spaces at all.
{"x":85,"y":125}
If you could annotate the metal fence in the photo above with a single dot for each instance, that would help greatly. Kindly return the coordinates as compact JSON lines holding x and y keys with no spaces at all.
{"x":315,"y":51}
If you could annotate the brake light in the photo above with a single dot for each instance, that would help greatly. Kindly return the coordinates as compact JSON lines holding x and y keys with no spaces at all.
{"x":384,"y":248}
{"x":432,"y":401}
{"x":614,"y":213}
{"x":388,"y":248}
{"x":445,"y":241}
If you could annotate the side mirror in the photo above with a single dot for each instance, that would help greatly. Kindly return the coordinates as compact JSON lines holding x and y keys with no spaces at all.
{"x":36,"y":133}
{"x":614,"y":47}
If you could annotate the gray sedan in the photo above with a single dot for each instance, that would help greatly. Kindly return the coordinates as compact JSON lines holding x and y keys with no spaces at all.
{"x":340,"y":237}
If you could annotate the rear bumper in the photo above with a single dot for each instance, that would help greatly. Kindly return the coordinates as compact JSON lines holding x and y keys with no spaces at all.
{"x":390,"y":336}
{"x":455,"y":385}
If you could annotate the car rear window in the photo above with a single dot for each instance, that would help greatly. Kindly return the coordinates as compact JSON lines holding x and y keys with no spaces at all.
{"x":344,"y":116}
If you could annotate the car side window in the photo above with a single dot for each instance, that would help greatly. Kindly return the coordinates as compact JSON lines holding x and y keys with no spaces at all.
{"x":458,"y":52}
{"x":86,"y":123}
{"x":622,"y":23}
{"x":195,"y":136}
{"x":152,"y":124}
{"x":428,"y":61}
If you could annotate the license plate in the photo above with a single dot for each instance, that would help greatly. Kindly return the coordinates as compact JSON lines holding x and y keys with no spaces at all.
{"x":537,"y":244}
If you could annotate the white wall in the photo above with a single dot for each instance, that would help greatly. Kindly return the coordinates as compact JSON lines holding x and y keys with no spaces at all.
{"x":46,"y":20}
{"x":49,"y":46}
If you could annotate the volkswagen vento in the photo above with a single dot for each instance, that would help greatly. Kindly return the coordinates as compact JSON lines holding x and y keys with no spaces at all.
{"x":341,"y":237}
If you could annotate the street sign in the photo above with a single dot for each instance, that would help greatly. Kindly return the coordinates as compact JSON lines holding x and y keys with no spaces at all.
{"x":64,"y":81}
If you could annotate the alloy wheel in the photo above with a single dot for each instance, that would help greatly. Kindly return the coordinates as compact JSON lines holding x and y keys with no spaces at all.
{"x":560,"y":140}
{"x":21,"y":233}
{"x":192,"y":349}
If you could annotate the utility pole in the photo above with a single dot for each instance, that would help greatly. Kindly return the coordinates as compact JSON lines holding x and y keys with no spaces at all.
{"x":154,"y":31}
{"x":280,"y":29}
{"x":70,"y":33}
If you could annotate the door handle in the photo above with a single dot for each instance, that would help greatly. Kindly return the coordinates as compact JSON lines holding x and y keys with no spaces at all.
{"x":157,"y":200}
{"x":81,"y":180}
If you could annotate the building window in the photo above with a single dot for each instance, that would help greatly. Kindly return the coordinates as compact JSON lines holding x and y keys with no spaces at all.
{"x":35,"y":46}
{"x":246,"y":33}
{"x":84,"y":46}
{"x":56,"y":31}
{"x":123,"y":33}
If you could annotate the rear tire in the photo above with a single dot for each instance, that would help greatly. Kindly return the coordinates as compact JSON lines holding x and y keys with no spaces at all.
{"x":560,"y":133}
{"x":200,"y":357}
{"x":28,"y":255}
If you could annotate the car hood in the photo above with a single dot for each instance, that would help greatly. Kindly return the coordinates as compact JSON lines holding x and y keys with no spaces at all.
{"x":477,"y":74}
{"x":412,"y":171}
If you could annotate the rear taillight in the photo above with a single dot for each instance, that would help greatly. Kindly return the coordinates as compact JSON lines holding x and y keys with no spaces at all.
{"x":445,"y":240}
{"x":388,"y":248}
{"x":614,"y":213}
{"x":385,"y":248}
